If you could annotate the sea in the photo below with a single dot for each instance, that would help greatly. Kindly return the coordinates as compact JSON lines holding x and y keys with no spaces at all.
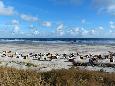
{"x":87,"y":41}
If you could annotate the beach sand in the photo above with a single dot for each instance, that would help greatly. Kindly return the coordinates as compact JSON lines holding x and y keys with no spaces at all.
{"x":52,"y":48}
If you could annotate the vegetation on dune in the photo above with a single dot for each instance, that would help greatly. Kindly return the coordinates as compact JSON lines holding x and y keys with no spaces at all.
{"x":71,"y":77}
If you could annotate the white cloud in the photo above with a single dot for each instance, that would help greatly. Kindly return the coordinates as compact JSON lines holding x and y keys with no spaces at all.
{"x":83,"y":21}
{"x":16,"y":27}
{"x":6,"y":10}
{"x":79,"y":31}
{"x":85,"y":32}
{"x":60,"y":27}
{"x":15,"y":22}
{"x":112,"y":24}
{"x":105,"y":5}
{"x":29,"y":18}
{"x":47,"y":24}
{"x":93,"y":31}
{"x":71,"y":32}
{"x":61,"y":33}
{"x":76,"y":31}
{"x":36,"y":32}
{"x":59,"y":30}
{"x":101,"y":28}
{"x":32,"y":27}
{"x":111,"y":9}
{"x":110,"y":31}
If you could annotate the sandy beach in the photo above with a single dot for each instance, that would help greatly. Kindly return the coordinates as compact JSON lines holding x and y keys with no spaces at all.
{"x":53,"y":48}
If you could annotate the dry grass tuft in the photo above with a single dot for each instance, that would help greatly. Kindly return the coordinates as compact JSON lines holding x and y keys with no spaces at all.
{"x":71,"y":77}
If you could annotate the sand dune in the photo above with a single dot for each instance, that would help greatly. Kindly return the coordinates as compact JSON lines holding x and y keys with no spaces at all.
{"x":59,"y":63}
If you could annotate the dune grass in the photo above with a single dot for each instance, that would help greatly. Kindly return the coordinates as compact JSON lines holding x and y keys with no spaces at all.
{"x":63,"y":77}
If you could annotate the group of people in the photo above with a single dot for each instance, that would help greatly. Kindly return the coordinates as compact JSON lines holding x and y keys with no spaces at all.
{"x":34,"y":56}
{"x":75,"y":58}
{"x":107,"y":60}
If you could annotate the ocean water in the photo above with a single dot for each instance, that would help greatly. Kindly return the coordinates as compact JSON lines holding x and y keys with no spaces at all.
{"x":88,"y":41}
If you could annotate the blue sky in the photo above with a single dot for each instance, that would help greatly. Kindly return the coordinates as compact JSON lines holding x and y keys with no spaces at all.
{"x":57,"y":18}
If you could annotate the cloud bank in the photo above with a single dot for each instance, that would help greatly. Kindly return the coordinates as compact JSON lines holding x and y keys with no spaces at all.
{"x":6,"y":10}
{"x":107,"y":6}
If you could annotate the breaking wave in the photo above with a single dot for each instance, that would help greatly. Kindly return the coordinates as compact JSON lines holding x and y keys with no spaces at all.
{"x":110,"y":41}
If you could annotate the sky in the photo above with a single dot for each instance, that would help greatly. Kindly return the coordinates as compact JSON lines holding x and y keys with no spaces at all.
{"x":57,"y":18}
